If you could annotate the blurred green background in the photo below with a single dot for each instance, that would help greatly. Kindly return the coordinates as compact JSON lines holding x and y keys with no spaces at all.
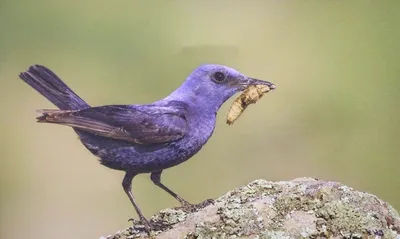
{"x":335,"y":114}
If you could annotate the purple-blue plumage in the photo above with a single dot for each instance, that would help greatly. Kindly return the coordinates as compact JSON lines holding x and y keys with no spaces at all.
{"x":144,"y":138}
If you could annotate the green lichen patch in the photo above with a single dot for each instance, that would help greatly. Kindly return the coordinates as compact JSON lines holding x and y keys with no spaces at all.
{"x":341,"y":211}
{"x":236,"y":220}
{"x":256,"y":189}
{"x":170,"y":216}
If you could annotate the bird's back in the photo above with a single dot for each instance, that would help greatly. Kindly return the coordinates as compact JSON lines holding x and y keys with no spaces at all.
{"x":144,"y":158}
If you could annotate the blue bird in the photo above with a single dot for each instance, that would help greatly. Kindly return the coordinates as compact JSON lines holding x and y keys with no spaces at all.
{"x":144,"y":138}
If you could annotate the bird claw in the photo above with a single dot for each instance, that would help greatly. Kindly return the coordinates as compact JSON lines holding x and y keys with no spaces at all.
{"x":143,"y":225}
{"x":188,"y":207}
{"x":205,"y":203}
{"x":159,"y":225}
{"x":140,"y":225}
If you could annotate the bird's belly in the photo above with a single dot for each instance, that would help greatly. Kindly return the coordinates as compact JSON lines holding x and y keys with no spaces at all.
{"x":137,"y":159}
{"x":144,"y":158}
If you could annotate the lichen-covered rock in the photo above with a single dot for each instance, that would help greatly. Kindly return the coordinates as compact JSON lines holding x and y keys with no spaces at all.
{"x":302,"y":208}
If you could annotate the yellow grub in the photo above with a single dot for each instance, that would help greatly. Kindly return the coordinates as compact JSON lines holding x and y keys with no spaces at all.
{"x":249,"y":96}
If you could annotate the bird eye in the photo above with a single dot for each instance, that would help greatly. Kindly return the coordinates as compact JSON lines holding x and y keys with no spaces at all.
{"x":219,"y":76}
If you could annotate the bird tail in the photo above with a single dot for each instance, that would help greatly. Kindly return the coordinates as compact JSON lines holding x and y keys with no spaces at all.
{"x":53,"y":88}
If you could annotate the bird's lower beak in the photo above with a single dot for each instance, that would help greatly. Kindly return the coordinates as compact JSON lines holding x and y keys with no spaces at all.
{"x":252,"y":81}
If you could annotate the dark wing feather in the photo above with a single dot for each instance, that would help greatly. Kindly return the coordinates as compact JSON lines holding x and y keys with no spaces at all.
{"x":144,"y":124}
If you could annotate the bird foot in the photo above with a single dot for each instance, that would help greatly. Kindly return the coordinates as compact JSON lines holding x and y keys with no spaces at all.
{"x":188,"y":207}
{"x":143,"y":225}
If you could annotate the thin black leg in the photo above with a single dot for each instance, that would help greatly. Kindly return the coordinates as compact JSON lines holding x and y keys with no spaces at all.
{"x":156,"y":178}
{"x":127,"y":185}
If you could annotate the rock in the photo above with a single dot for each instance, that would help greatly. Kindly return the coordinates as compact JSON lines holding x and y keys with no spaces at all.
{"x":301,"y":208}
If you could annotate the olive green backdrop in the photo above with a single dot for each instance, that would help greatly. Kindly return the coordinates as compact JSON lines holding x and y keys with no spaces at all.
{"x":335,"y":114}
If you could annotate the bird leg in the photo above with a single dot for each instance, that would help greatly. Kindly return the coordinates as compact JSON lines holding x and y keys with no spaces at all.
{"x":148,"y":225}
{"x":156,"y":179}
{"x":127,"y":185}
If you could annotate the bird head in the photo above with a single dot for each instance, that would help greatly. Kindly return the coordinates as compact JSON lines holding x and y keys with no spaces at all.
{"x":209,"y":86}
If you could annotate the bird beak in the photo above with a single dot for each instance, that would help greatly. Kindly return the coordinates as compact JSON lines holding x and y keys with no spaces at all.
{"x":252,"y":81}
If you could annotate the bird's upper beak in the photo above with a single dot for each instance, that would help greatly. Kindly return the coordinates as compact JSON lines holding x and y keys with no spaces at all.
{"x":252,"y":81}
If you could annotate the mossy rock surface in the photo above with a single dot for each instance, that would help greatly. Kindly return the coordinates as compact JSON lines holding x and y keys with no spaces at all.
{"x":301,"y":208}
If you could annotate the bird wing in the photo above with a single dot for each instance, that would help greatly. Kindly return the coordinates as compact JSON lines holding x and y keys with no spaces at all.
{"x":140,"y":124}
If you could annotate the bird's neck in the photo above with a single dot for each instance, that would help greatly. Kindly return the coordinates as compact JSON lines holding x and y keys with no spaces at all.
{"x":201,"y":112}
{"x":200,"y":102}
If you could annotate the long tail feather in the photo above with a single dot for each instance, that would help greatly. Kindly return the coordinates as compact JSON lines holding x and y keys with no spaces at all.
{"x":52,"y":87}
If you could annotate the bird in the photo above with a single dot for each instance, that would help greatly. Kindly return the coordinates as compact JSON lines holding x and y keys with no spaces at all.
{"x":144,"y":138}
